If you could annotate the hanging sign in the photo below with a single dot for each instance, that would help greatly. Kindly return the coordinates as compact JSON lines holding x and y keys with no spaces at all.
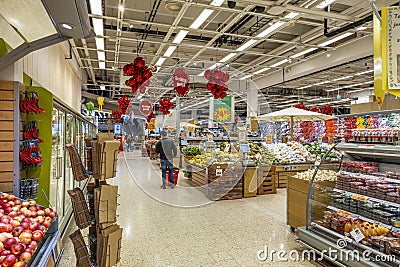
{"x":392,"y":36}
{"x":151,"y":125}
{"x":145,"y":107}
{"x":180,"y":79}
{"x":223,"y":109}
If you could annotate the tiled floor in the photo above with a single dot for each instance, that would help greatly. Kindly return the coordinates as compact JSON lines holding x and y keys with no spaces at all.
{"x":222,"y":233}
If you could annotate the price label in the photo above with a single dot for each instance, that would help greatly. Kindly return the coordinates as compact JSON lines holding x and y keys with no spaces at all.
{"x":357,"y":235}
{"x":218,"y":172}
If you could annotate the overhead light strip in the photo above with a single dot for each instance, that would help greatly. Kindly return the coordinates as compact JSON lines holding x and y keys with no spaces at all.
{"x":169,"y":51}
{"x":262,"y":70}
{"x":96,"y":9}
{"x":246,"y":77}
{"x":229,"y":56}
{"x":160,"y":61}
{"x":324,"y":4}
{"x":338,"y":38}
{"x":201,"y":18}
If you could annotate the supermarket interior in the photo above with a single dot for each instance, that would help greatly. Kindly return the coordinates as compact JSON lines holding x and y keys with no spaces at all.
{"x":199,"y":133}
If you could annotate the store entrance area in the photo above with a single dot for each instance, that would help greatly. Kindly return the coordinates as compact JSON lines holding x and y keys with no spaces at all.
{"x":222,"y":233}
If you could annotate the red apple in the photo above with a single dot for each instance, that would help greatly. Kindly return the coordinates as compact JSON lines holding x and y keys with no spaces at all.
{"x":46,"y":224}
{"x":40,"y":213}
{"x":37,"y":235}
{"x":32,"y":208}
{"x":28,"y":220}
{"x":7,"y":210}
{"x":18,"y":219}
{"x":34,"y":226}
{"x":32,"y":202}
{"x":5,"y":219}
{"x":53,"y":214}
{"x":16,"y":208}
{"x":3,"y":195}
{"x":17,"y":202}
{"x":4,"y":236}
{"x":40,"y":219}
{"x":26,"y":225}
{"x":33,"y":214}
{"x":27,"y":213}
{"x":9,"y":242}
{"x":25,"y":235}
{"x":12,"y":203}
{"x":25,"y":204}
{"x":12,"y":214}
{"x":9,"y":261}
{"x":15,"y":223}
{"x":17,"y":249}
{"x":3,"y":227}
{"x":47,"y":211}
{"x":25,"y":257}
{"x":26,"y":241}
{"x":1,"y":246}
{"x":19,"y":264}
{"x":5,"y":252}
{"x":2,"y":259}
{"x":29,"y":250}
{"x":33,"y":244}
{"x":17,"y":231}
{"x":42,"y":228}
{"x":11,"y":197}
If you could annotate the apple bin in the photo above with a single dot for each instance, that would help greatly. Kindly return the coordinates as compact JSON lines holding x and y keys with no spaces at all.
{"x":28,"y":232}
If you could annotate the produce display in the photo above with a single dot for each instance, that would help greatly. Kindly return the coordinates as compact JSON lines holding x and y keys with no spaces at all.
{"x":22,"y":227}
{"x":200,"y":160}
{"x":259,"y":155}
{"x":319,"y":150}
{"x":192,"y":150}
{"x":322,"y":175}
{"x":218,"y":157}
{"x":292,"y":152}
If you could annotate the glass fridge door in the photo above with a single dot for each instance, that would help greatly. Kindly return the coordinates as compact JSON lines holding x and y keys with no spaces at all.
{"x":69,"y":139}
{"x":57,"y":161}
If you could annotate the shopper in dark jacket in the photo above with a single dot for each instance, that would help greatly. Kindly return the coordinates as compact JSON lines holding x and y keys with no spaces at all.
{"x":167,"y":150}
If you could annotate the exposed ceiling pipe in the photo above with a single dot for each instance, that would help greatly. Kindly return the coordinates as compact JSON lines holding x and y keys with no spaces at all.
{"x":345,"y":28}
{"x":151,"y":18}
{"x":86,"y":51}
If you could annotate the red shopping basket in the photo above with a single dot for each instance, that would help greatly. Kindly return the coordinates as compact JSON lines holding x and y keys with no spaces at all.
{"x":176,"y":173}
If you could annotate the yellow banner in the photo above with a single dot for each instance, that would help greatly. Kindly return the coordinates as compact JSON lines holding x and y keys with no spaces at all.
{"x":380,"y":69}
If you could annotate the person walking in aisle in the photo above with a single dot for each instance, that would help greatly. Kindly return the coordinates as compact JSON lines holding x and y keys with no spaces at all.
{"x":167,"y":150}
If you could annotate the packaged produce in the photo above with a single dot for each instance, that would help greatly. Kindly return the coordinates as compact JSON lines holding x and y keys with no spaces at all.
{"x":322,"y":175}
{"x":292,"y":152}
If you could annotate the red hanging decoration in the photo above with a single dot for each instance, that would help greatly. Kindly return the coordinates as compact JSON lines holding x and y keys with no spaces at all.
{"x":140,"y":74}
{"x":117,"y":114}
{"x":180,"y":79}
{"x":315,"y":109}
{"x":145,"y":107}
{"x":150,"y":116}
{"x":123,"y":103}
{"x":327,"y":110}
{"x":165,"y":105}
{"x":301,"y":106}
{"x":216,"y":82}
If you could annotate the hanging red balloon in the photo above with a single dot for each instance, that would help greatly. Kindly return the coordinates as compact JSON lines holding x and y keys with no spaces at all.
{"x":123,"y":103}
{"x":140,"y":74}
{"x":180,"y":80}
{"x":217,"y":82}
{"x":165,"y":105}
{"x":117,"y":115}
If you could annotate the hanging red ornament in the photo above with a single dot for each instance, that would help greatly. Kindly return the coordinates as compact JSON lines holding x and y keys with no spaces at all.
{"x":216,"y":82}
{"x":315,"y":109}
{"x":301,"y":106}
{"x":180,"y":80}
{"x":123,"y":103}
{"x":165,"y":105}
{"x":117,"y":114}
{"x":140,"y":74}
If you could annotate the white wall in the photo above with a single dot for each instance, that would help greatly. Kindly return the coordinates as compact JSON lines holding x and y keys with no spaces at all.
{"x":63,"y":77}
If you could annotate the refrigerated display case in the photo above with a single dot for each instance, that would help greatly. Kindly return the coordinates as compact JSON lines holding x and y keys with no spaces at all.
{"x":361,"y":223}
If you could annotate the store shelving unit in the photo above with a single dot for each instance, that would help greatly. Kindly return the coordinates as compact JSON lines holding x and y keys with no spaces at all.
{"x":318,"y":236}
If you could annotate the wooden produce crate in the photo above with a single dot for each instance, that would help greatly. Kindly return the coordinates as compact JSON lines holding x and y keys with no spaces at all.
{"x":250,"y":182}
{"x":266,"y":179}
{"x":284,"y":172}
{"x":198,"y":176}
{"x":297,"y":191}
{"x":224,"y":181}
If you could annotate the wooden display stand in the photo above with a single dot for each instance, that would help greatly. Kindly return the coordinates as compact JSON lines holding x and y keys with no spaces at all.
{"x":198,"y":176}
{"x":266,"y":178}
{"x":224,"y":181}
{"x":284,"y":172}
{"x":250,"y":180}
{"x":297,"y":197}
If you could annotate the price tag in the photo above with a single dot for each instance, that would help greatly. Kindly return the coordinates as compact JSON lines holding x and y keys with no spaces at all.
{"x":218,"y":172}
{"x":286,"y":168}
{"x":357,"y":235}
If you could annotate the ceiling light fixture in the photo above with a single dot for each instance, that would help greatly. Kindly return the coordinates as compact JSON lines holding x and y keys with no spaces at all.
{"x":180,"y":36}
{"x":229,"y":56}
{"x":340,"y":37}
{"x":304,"y":87}
{"x":246,"y":45}
{"x":217,"y":2}
{"x":96,"y":7}
{"x":364,"y":72}
{"x":102,"y":87}
{"x":67,"y":26}
{"x":121,"y":8}
{"x":201,"y":18}
{"x":102,"y":65}
{"x":169,"y":51}
{"x":160,"y":61}
{"x":279,"y":63}
{"x":324,"y":4}
{"x":292,"y":15}
{"x":361,"y":28}
{"x":304,"y":52}
{"x":270,"y":29}
{"x":343,"y":78}
{"x":324,"y":82}
{"x":262,"y":70}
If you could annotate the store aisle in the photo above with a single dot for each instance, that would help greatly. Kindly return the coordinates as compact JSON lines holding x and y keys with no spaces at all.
{"x":223,"y":233}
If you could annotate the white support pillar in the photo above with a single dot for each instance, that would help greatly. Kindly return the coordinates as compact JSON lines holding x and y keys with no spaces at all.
{"x":15,"y":72}
{"x":252,"y":101}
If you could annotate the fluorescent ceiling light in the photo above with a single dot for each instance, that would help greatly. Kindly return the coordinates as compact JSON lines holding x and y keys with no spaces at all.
{"x":279,"y":63}
{"x":99,"y":43}
{"x":169,"y":51}
{"x":98,"y":26}
{"x":67,"y":26}
{"x":246,"y":77}
{"x":317,"y":99}
{"x":270,"y":29}
{"x":303,"y":52}
{"x":102,"y":65}
{"x":229,"y":56}
{"x":217,"y":2}
{"x":340,"y":37}
{"x":289,"y":101}
{"x":180,"y":36}
{"x":121,"y":8}
{"x":324,"y":82}
{"x":361,"y":28}
{"x":102,"y":87}
{"x":101,"y":55}
{"x":140,"y":96}
{"x":324,"y":4}
{"x":291,"y":15}
{"x":201,"y":18}
{"x":364,"y":72}
{"x":160,"y":61}
{"x":304,"y":87}
{"x":343,"y":78}
{"x":95,"y":7}
{"x":246,"y":45}
{"x":262,"y":70}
